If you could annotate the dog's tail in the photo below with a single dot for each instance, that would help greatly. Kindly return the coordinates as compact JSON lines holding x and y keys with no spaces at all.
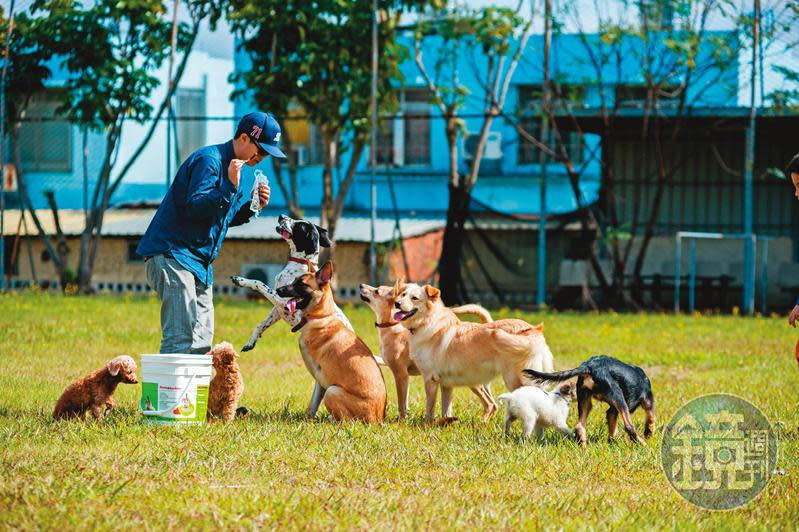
{"x":557,"y":376}
{"x":474,"y":310}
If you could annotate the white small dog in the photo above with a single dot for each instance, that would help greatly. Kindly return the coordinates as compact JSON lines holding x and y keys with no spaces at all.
{"x":538,"y":409}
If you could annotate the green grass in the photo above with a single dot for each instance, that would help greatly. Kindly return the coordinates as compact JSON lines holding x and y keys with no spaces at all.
{"x":276,"y":469}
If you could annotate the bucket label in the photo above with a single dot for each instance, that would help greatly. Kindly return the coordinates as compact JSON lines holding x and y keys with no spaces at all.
{"x":175,"y":404}
{"x":149,"y":397}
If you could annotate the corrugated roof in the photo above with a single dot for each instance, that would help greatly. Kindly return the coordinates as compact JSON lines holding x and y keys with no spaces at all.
{"x":134,"y":222}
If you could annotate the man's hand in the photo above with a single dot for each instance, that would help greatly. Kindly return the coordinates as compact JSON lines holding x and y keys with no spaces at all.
{"x":793,"y":316}
{"x":263,"y":194}
{"x":234,"y":171}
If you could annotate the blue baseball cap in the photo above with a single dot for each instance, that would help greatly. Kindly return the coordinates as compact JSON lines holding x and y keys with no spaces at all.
{"x":263,"y":129}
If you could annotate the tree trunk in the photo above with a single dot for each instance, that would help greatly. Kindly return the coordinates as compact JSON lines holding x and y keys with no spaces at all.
{"x":27,"y":203}
{"x":330,"y":146}
{"x":344,"y":187}
{"x":453,"y":290}
{"x":90,"y":237}
{"x":649,"y":230}
{"x":62,"y":248}
{"x":289,"y":190}
{"x":449,"y":268}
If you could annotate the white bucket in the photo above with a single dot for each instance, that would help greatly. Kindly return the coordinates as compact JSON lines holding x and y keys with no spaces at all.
{"x":174,"y":388}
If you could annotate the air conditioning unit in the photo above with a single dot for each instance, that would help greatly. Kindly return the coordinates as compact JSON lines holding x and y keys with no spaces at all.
{"x":492,"y":149}
{"x":10,"y":177}
{"x":262,"y":272}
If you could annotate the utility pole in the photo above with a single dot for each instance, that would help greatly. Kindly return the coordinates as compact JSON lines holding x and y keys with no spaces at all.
{"x":373,"y":156}
{"x":6,"y":59}
{"x":541,"y":289}
{"x":749,"y":241}
{"x":169,"y":113}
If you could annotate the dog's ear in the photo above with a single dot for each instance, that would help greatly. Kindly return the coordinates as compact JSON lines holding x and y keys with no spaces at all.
{"x":431,"y":291}
{"x":113,"y":367}
{"x":324,"y":240}
{"x":567,"y":389}
{"x":325,"y":273}
{"x":397,"y":287}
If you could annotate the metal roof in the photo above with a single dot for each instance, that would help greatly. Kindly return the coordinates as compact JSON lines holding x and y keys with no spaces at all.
{"x":134,"y":222}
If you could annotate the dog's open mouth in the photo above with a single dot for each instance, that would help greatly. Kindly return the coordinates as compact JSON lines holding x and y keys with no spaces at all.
{"x":402,"y":316}
{"x":291,"y":305}
{"x":283,"y":233}
{"x":364,"y":298}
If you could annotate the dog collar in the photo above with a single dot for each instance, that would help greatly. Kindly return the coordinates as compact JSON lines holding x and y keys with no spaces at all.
{"x":307,"y":262}
{"x":386,"y":324}
{"x":306,"y":319}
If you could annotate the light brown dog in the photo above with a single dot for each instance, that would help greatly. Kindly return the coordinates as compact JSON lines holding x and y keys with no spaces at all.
{"x":452,"y":353}
{"x":339,"y":361}
{"x":94,"y":391}
{"x":394,"y":344}
{"x":227,"y":386}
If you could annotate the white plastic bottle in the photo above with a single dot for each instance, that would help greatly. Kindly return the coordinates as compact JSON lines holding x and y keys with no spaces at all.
{"x":255,"y":202}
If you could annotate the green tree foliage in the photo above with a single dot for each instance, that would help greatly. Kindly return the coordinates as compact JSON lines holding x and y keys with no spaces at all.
{"x":318,"y":55}
{"x":109,"y":51}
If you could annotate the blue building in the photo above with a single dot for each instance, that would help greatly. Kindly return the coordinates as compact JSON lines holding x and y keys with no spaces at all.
{"x":703,"y":192}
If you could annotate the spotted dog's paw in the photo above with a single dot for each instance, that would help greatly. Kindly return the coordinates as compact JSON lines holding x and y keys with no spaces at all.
{"x":238,"y":281}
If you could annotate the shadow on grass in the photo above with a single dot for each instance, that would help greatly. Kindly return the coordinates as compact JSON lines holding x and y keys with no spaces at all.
{"x":285,"y":414}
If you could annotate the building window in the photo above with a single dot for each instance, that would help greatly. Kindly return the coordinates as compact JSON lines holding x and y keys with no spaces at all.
{"x":45,"y":141}
{"x":416,"y":115}
{"x":191,"y":127}
{"x":132,"y":255}
{"x":529,"y":111}
{"x":307,"y":145}
{"x":404,"y":139}
{"x":636,"y":96}
{"x":658,"y":15}
{"x":316,"y":146}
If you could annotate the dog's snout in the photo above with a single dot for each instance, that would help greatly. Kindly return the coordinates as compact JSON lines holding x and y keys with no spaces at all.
{"x":396,"y":304}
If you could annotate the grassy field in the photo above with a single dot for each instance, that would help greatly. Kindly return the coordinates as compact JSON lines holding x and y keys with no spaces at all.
{"x":276,"y":469}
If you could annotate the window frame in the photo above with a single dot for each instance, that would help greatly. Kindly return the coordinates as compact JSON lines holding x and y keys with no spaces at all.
{"x":45,"y":140}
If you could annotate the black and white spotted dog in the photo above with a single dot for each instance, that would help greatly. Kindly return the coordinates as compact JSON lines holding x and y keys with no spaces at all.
{"x":304,"y":240}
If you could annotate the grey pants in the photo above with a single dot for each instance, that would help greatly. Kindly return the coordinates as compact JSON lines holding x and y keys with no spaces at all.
{"x":187,"y":307}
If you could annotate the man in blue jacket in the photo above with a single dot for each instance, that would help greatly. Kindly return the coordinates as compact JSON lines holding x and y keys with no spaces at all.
{"x":188,"y":228}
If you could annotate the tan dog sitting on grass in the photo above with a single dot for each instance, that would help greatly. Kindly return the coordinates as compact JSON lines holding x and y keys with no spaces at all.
{"x":339,"y":361}
{"x":93,"y":393}
{"x":227,"y":386}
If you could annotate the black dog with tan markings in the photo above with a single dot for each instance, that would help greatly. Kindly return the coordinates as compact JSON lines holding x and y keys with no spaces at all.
{"x":623,"y":386}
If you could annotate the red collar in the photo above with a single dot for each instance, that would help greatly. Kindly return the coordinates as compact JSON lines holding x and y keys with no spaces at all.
{"x":306,"y":319}
{"x":386,"y":324}
{"x":307,"y":262}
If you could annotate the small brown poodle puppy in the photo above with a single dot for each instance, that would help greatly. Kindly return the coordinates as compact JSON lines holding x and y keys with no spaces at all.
{"x":227,"y":385}
{"x":92,"y":392}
